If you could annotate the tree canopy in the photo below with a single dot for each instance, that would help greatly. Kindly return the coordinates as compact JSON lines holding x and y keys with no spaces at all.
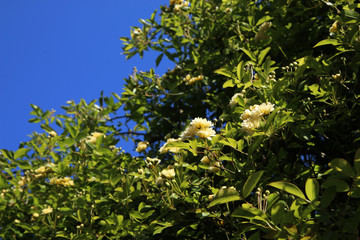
{"x":253,"y":134}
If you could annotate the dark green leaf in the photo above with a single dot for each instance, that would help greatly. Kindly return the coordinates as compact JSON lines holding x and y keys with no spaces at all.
{"x":251,"y":182}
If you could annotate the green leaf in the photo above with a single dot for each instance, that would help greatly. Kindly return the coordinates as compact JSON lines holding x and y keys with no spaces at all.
{"x":250,"y":212}
{"x":23,"y":164}
{"x":327,"y":196}
{"x":240,"y":70}
{"x":352,"y":14}
{"x":343,"y":166}
{"x":225,"y":72}
{"x":229,"y":83}
{"x":312,"y":189}
{"x":21,"y":152}
{"x":262,"y":55}
{"x":225,"y":195}
{"x":158,"y":59}
{"x":333,"y":42}
{"x":311,"y":207}
{"x":289,"y":188}
{"x":340,"y":185}
{"x":250,"y":54}
{"x":251,"y":182}
{"x":71,"y":130}
{"x":7,"y":154}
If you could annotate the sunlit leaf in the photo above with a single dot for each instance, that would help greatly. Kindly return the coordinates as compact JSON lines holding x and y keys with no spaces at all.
{"x":289,"y":188}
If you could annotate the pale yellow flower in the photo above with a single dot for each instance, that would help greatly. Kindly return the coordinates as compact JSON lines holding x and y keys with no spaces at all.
{"x":168,"y":173}
{"x":22,"y":181}
{"x":66,"y":181}
{"x":198,"y":127}
{"x":47,"y":210}
{"x":177,"y":8}
{"x":52,"y":134}
{"x":142,"y":146}
{"x":42,"y":169}
{"x":206,"y":133}
{"x":94,"y":136}
{"x":266,"y":108}
{"x":35,"y":215}
{"x":249,"y":125}
{"x":252,"y":117}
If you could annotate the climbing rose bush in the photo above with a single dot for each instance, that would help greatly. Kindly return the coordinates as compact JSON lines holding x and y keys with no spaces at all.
{"x":253,"y":133}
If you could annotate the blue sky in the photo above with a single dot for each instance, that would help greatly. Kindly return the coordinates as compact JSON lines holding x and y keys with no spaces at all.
{"x":52,"y":51}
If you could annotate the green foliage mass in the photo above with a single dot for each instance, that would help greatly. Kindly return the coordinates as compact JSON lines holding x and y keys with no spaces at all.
{"x":254,"y":133}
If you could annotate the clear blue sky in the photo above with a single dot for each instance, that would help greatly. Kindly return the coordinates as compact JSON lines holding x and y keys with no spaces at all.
{"x":52,"y":51}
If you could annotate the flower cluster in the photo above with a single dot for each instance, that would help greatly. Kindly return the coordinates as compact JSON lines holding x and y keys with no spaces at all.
{"x":336,"y":76}
{"x":271,"y":77}
{"x":261,"y":35}
{"x":191,"y":80}
{"x":44,"y":170}
{"x":179,"y":4}
{"x":165,"y":148}
{"x":23,"y":181}
{"x":66,"y":181}
{"x":136,"y":32}
{"x":198,"y":127}
{"x":251,"y":117}
{"x":152,"y":161}
{"x":291,"y":68}
{"x":94,"y":136}
{"x":142,"y":146}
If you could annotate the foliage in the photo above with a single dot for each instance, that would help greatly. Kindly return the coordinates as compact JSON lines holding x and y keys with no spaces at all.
{"x":279,"y":159}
